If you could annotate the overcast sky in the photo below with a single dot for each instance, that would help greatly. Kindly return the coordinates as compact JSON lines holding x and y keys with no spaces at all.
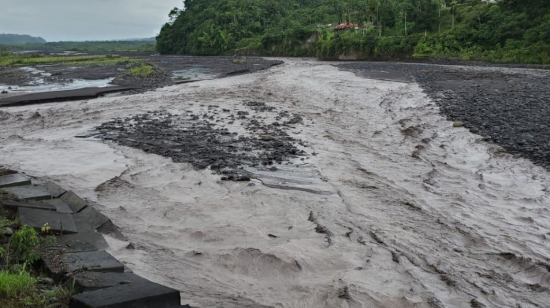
{"x":80,"y":20}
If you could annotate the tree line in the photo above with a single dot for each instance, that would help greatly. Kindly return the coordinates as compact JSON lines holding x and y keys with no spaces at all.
{"x":508,"y":31}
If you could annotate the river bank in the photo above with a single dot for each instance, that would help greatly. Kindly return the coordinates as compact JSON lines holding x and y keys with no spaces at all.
{"x":44,"y":72}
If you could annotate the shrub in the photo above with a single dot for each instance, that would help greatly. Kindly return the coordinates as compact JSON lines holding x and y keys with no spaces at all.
{"x":24,"y":244}
{"x":141,"y":71}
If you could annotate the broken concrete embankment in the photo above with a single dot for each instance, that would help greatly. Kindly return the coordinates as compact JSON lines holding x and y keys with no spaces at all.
{"x":78,"y":254}
{"x":60,"y":96}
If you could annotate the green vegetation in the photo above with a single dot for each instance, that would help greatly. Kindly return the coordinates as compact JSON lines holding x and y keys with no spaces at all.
{"x":21,"y":285}
{"x":11,"y":59}
{"x":23,"y":245}
{"x":13,"y":284}
{"x":19,"y":288}
{"x":506,"y":31}
{"x":141,"y":71}
{"x":239,"y":61}
{"x":135,"y":46}
{"x":512,"y":31}
{"x":6,"y":223}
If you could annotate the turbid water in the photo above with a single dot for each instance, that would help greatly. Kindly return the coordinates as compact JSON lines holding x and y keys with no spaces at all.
{"x":38,"y":83}
{"x":393,"y":207}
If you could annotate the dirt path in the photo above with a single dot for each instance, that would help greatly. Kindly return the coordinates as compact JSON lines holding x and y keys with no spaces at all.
{"x":396,"y":209}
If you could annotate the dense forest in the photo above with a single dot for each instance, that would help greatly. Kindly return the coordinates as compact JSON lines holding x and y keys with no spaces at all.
{"x":17,"y":39}
{"x":505,"y":31}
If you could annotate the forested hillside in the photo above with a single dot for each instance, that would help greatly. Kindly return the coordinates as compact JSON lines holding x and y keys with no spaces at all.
{"x":506,"y":31}
{"x":16,"y":39}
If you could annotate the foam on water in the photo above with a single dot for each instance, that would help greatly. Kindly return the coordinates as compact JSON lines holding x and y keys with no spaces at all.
{"x":194,"y":74}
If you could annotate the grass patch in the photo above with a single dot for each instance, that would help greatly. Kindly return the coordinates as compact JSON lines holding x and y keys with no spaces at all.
{"x":19,"y":289}
{"x":239,"y":61}
{"x":13,"y":60}
{"x":14,"y":284}
{"x":141,"y":71}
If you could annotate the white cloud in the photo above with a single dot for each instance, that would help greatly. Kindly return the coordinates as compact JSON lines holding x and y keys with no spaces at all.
{"x":56,"y":20}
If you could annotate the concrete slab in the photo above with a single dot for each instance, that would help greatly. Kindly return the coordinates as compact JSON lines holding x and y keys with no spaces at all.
{"x":90,"y":281}
{"x":305,"y":177}
{"x":87,"y":232}
{"x":13,"y":205}
{"x":60,"y":96}
{"x":55,"y":190}
{"x":92,"y":217}
{"x":30,"y":192}
{"x":11,"y":180}
{"x":90,"y":237}
{"x":72,"y":246}
{"x":60,"y":206}
{"x":58,"y":222}
{"x":76,"y":203}
{"x":110,"y":229}
{"x":135,"y":295}
{"x":94,"y":261}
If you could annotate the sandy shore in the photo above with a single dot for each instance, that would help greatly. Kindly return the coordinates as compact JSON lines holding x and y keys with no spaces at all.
{"x":398,"y":208}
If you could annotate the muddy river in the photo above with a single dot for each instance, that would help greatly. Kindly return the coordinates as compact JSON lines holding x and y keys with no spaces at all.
{"x":389,"y":205}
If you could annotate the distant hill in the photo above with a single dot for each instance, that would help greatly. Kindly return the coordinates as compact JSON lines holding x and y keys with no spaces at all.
{"x":17,"y":39}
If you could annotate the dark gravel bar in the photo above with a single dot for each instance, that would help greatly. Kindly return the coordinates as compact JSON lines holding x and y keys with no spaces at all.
{"x":508,"y":107}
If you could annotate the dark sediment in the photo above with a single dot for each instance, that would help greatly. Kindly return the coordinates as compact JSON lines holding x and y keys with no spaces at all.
{"x":200,"y":138}
{"x":13,"y":76}
{"x":511,"y":109}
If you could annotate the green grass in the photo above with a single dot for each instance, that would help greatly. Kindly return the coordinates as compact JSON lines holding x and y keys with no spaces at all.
{"x":141,"y":71}
{"x":14,"y":284}
{"x":11,"y":60}
{"x":131,"y":46}
{"x":239,"y":61}
{"x":20,"y":289}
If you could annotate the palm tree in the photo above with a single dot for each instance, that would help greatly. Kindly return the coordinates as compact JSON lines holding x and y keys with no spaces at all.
{"x":453,"y":12}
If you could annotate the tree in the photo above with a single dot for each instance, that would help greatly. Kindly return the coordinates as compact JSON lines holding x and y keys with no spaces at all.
{"x":453,"y":13}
